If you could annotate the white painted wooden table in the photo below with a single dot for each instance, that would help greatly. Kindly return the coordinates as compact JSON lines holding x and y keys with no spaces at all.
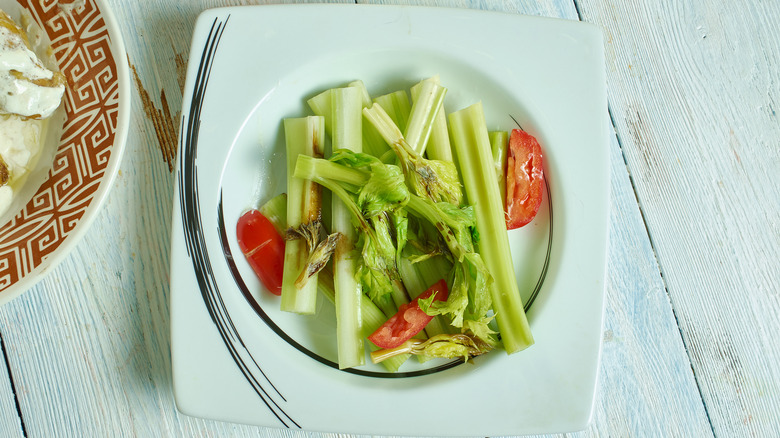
{"x":692,"y":326}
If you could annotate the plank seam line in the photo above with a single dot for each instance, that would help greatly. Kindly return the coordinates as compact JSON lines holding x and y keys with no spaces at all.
{"x":660,"y":269}
{"x":13,"y":387}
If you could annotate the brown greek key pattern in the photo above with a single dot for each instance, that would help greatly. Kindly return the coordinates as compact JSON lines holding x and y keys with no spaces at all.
{"x":82,"y":47}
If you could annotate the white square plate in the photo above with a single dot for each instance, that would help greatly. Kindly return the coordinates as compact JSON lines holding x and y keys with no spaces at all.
{"x":237,"y":358}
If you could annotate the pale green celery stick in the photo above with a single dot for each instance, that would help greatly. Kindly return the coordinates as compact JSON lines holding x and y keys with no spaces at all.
{"x":397,"y":106}
{"x":437,"y":180}
{"x":420,"y":270}
{"x":384,"y":123}
{"x":303,"y":136}
{"x":372,"y":316}
{"x":321,"y":105}
{"x":425,"y":107}
{"x":400,"y":295}
{"x":346,"y":134}
{"x":389,"y":157}
{"x":310,"y":168}
{"x":413,"y":279}
{"x":438,"y":147}
{"x":432,"y":270}
{"x":382,"y":224}
{"x":333,"y":176}
{"x":318,"y":171}
{"x":373,"y":143}
{"x":499,"y":142}
{"x":435,"y":268}
{"x":365,"y":98}
{"x":445,"y":345}
{"x":427,"y":209}
{"x":469,"y":299}
{"x":472,"y":147}
{"x":416,"y":283}
{"x":385,"y":304}
{"x":276,"y":212}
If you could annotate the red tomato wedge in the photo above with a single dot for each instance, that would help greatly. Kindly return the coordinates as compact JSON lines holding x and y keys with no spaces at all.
{"x":524,"y":178}
{"x":263,"y":248}
{"x":409,"y":320}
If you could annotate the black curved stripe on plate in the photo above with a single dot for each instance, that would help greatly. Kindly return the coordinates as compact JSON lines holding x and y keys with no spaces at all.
{"x":193,"y":232}
{"x":546,"y":265}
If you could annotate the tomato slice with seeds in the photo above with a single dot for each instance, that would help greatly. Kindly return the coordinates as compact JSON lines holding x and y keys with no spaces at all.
{"x":409,"y":320}
{"x":263,"y":248}
{"x":524,"y":177}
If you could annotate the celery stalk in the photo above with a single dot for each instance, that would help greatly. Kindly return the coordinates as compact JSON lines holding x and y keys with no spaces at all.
{"x":427,"y":102}
{"x":435,"y":268}
{"x":373,"y":204}
{"x":309,"y":168}
{"x":303,"y":136}
{"x":416,"y":283}
{"x":427,"y":209}
{"x":413,"y":278}
{"x":346,"y":123}
{"x":399,"y":294}
{"x":472,"y":146}
{"x":373,"y":317}
{"x":373,"y":143}
{"x":321,"y":105}
{"x":365,"y":98}
{"x":437,"y":180}
{"x":381,"y":119}
{"x":470,"y":298}
{"x":335,"y":177}
{"x":397,"y":106}
{"x":438,"y":147}
{"x":444,"y":345}
{"x":499,"y":142}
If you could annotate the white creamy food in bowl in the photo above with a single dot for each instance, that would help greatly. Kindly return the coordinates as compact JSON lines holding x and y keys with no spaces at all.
{"x":30,"y":93}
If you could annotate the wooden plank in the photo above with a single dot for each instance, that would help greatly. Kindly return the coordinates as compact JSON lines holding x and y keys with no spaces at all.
{"x":646,"y":384}
{"x":10,"y":422}
{"x":694,"y":91}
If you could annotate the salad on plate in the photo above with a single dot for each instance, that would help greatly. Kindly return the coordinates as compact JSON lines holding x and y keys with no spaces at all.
{"x":398,"y":213}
